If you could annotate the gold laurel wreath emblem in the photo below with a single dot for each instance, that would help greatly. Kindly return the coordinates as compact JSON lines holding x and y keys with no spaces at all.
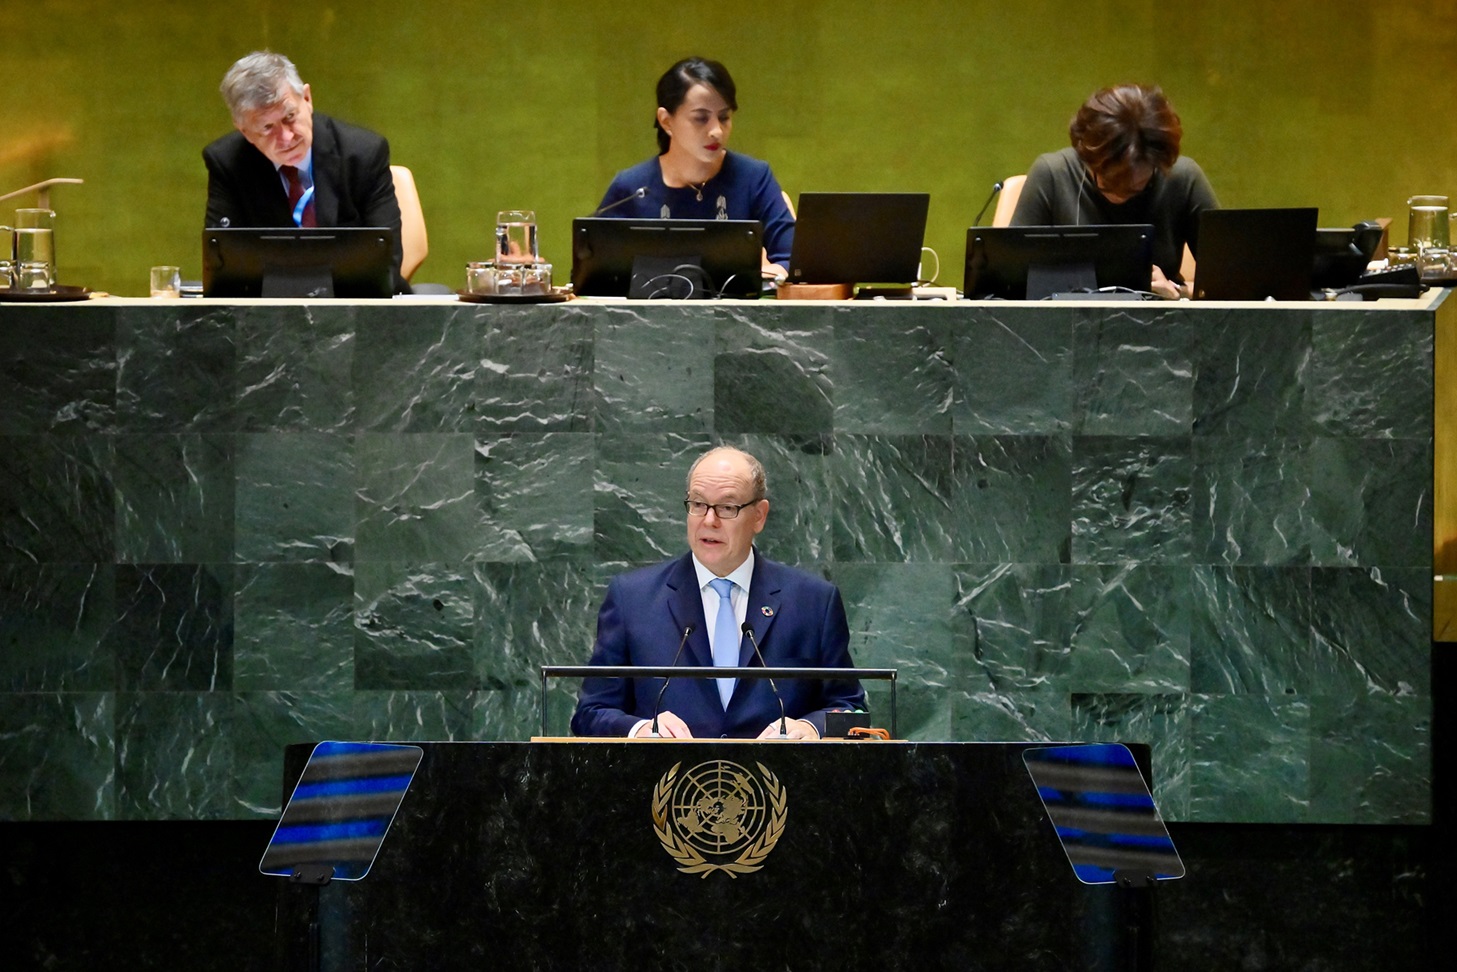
{"x":690,"y":861}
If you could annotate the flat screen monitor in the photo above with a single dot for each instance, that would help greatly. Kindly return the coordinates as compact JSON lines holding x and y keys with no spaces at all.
{"x":666,"y":258}
{"x":315,"y":262}
{"x":858,"y":237}
{"x":1036,"y":262}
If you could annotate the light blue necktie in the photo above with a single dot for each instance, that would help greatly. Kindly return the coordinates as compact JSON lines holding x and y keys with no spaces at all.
{"x":726,"y":637}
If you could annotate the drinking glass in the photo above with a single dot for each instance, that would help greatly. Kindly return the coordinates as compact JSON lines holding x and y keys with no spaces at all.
{"x":1434,"y":263}
{"x":166,"y":281}
{"x":515,"y":280}
{"x":516,"y":236}
{"x":480,"y":277}
{"x":1401,"y":256}
{"x":1427,"y":224}
{"x":536,"y":280}
{"x":35,"y":249}
{"x":7,"y":258}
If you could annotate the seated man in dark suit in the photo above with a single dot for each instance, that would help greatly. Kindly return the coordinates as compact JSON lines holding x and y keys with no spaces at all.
{"x":798,"y":620}
{"x":286,"y":166}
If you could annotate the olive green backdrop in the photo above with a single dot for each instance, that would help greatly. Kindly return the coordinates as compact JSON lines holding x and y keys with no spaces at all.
{"x":1336,"y":103}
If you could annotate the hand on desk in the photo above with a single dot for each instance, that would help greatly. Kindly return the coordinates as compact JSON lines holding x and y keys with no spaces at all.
{"x":672,"y":727}
{"x":794,"y":729}
{"x":772,"y":271}
{"x":669,"y":727}
{"x":1166,"y":288}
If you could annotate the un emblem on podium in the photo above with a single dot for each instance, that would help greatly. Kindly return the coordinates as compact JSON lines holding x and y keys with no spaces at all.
{"x":719,"y":816}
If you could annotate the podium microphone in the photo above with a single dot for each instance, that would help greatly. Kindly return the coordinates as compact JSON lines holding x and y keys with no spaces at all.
{"x":638,"y":194}
{"x":679,"y":654}
{"x":996,"y":188}
{"x":749,"y":630}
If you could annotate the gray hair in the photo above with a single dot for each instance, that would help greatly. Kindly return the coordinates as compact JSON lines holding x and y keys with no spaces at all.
{"x":252,"y":82}
{"x":758,"y":481}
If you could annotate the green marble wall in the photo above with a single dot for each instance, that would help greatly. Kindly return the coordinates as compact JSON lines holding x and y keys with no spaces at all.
{"x":228,"y":528}
{"x":1339,"y":105}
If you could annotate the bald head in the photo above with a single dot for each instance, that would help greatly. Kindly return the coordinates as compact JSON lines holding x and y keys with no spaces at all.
{"x":757,"y":479}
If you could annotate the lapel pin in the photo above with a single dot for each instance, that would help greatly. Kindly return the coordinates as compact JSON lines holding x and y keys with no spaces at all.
{"x":767,"y":611}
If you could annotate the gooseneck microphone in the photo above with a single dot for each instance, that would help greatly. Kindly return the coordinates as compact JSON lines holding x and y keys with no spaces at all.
{"x":749,"y":630}
{"x":638,"y":194}
{"x":996,"y":188}
{"x":678,"y":654}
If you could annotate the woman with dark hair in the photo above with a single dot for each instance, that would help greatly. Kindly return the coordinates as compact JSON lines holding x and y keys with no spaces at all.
{"x":1123,"y":167}
{"x":694,"y":175}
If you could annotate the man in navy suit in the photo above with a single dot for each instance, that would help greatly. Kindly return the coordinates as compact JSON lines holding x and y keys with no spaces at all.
{"x":343,"y":171}
{"x":798,"y":620}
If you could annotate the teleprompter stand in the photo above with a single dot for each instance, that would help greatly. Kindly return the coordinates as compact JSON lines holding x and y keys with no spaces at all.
{"x":332,"y":828}
{"x":1105,"y":817}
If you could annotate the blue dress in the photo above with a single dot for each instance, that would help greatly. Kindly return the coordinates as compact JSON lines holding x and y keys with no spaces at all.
{"x":744,"y":188}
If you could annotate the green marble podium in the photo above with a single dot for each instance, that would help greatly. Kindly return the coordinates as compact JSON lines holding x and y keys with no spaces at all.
{"x":225,"y":527}
{"x":542,"y":856}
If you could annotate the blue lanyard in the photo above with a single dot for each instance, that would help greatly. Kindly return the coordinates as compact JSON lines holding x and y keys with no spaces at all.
{"x":303,"y":203}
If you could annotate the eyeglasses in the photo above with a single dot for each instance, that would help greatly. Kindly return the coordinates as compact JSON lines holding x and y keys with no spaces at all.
{"x":724,"y":511}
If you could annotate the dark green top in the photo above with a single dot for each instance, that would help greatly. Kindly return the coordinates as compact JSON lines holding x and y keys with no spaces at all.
{"x":1060,"y":192}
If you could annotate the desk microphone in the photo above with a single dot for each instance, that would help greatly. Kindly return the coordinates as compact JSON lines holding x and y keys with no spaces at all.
{"x":996,"y":188}
{"x":638,"y":194}
{"x":679,"y":654}
{"x":749,"y":630}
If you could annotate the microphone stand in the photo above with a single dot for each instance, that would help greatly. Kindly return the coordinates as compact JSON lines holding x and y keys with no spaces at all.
{"x":549,"y":672}
{"x":638,"y":194}
{"x":659,"y":703}
{"x":996,"y":188}
{"x":783,"y":728}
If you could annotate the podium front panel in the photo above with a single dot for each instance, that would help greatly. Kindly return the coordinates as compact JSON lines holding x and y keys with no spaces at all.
{"x":630,"y":855}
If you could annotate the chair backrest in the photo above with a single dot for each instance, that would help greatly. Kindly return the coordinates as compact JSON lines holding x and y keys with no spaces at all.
{"x":413,"y":241}
{"x":1007,"y":201}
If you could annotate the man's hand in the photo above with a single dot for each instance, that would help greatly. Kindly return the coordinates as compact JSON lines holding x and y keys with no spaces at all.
{"x":669,"y":727}
{"x":794,"y":728}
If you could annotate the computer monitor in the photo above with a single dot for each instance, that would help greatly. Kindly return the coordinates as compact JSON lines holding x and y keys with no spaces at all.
{"x":314,"y":262}
{"x":858,"y":237}
{"x":1036,"y":262}
{"x":666,"y":258}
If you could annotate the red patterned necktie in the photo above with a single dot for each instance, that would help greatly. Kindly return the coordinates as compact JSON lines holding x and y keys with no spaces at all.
{"x":295,"y":193}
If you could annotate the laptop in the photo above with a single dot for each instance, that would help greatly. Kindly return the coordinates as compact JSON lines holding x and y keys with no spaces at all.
{"x":858,"y":237}
{"x":1255,"y":254}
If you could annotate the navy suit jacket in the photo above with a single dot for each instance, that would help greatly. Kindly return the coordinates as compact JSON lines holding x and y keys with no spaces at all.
{"x":352,"y":183}
{"x":798,"y":619}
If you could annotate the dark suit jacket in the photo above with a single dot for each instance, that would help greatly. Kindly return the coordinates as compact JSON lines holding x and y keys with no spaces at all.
{"x":798,"y":619}
{"x":352,"y":183}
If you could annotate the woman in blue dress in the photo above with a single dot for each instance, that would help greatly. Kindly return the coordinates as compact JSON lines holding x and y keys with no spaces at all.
{"x":694,"y":175}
